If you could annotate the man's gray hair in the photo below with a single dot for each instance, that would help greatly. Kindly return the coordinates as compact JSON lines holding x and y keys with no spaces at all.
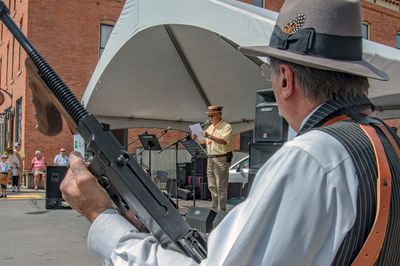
{"x":324,"y":85}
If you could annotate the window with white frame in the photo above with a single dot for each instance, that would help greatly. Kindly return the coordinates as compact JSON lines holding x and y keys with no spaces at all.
{"x":18,"y":121}
{"x":365,"y":30}
{"x":105,"y":32}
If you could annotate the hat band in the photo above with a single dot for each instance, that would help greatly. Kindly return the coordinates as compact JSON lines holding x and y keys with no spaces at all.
{"x":308,"y":42}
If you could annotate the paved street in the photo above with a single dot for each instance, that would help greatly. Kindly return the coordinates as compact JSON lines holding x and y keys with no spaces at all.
{"x":32,"y":235}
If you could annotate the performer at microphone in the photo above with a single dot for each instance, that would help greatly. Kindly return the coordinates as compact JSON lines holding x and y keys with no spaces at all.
{"x":219,"y":148}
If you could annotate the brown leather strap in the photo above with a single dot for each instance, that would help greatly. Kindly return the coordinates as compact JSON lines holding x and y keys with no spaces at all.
{"x":370,"y":251}
{"x":391,"y":139}
{"x":335,"y":120}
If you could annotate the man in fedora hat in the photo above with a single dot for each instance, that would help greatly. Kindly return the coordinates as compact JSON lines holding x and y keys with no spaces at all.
{"x":315,"y":201}
{"x":219,"y":149}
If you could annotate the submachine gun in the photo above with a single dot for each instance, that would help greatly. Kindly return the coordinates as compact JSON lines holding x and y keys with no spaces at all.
{"x":118,"y":172}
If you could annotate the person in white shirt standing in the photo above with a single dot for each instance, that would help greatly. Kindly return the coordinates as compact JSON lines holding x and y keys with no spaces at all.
{"x":61,"y":159}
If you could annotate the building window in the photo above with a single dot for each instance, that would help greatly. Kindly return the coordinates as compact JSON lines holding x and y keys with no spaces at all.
{"x":1,"y":133}
{"x":19,"y":49}
{"x":18,"y":122}
{"x":105,"y":32}
{"x":365,"y":30}
{"x":8,"y":49}
{"x":12,"y":58}
{"x":398,"y":40}
{"x":6,"y":136}
{"x":259,"y":3}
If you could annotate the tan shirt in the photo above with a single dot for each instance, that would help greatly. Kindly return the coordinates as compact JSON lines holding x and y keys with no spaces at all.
{"x":222,"y":130}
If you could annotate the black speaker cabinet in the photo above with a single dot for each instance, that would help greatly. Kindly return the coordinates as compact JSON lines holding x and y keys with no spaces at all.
{"x":234,"y":190}
{"x":218,"y":218}
{"x":261,"y":152}
{"x":259,"y":155}
{"x":269,"y":125}
{"x":185,"y":194}
{"x":200,"y":219}
{"x":201,"y":167}
{"x":54,"y":177}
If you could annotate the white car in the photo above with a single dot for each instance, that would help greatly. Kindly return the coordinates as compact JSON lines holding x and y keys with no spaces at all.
{"x":239,"y":171}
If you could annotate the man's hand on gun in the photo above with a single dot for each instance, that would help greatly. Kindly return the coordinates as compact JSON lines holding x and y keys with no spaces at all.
{"x":82,"y":191}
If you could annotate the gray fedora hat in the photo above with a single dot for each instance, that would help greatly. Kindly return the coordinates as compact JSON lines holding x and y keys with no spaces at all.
{"x":323,"y":34}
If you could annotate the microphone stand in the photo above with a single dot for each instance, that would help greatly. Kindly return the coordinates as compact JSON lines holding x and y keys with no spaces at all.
{"x":176,"y":144}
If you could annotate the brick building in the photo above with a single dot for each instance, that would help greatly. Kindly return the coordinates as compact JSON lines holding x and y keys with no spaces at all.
{"x":71,"y":39}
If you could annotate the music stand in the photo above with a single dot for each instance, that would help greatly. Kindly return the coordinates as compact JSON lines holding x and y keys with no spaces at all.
{"x":149,"y":143}
{"x":197,"y":152}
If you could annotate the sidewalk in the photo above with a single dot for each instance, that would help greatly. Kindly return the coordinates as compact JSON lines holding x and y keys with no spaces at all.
{"x":25,"y":193}
{"x":184,"y":205}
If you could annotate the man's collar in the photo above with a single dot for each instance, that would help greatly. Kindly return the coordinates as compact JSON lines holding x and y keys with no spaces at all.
{"x":333,"y":108}
{"x":309,"y":115}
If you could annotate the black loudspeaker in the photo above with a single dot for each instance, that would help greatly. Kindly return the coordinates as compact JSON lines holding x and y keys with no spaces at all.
{"x":184,"y":194}
{"x":234,"y":190}
{"x":201,"y":167}
{"x":218,"y":218}
{"x":54,"y":177}
{"x":251,"y":176}
{"x":269,"y":125}
{"x":259,"y":154}
{"x":201,"y":218}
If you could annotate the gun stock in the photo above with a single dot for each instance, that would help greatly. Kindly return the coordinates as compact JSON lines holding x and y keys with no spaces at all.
{"x":120,"y":174}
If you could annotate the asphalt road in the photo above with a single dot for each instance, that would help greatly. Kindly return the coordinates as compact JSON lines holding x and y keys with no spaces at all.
{"x":32,"y":235}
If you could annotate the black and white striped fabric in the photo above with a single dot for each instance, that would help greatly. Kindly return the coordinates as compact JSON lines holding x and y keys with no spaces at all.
{"x":361,"y":151}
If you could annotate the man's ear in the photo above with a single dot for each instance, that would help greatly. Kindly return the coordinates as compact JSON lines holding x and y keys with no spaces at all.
{"x":286,"y":81}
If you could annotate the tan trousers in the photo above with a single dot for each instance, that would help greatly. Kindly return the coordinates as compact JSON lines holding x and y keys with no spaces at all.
{"x":217,"y":176}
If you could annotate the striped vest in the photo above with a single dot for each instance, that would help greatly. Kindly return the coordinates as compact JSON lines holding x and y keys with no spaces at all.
{"x":361,"y":151}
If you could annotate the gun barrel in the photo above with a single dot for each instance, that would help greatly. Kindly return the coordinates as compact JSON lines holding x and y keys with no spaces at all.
{"x":126,"y":176}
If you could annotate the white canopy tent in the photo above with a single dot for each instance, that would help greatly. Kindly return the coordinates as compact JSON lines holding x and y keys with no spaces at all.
{"x":166,"y":61}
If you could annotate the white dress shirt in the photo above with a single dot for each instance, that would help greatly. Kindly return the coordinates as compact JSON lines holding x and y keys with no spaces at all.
{"x":301,"y":205}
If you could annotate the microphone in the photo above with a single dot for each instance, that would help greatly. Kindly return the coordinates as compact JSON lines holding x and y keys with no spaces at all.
{"x":166,"y":130}
{"x":205,"y":124}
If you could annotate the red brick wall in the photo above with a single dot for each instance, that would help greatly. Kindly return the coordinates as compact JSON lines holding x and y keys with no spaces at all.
{"x":274,"y":5}
{"x":68,"y":38}
{"x":384,"y":23}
